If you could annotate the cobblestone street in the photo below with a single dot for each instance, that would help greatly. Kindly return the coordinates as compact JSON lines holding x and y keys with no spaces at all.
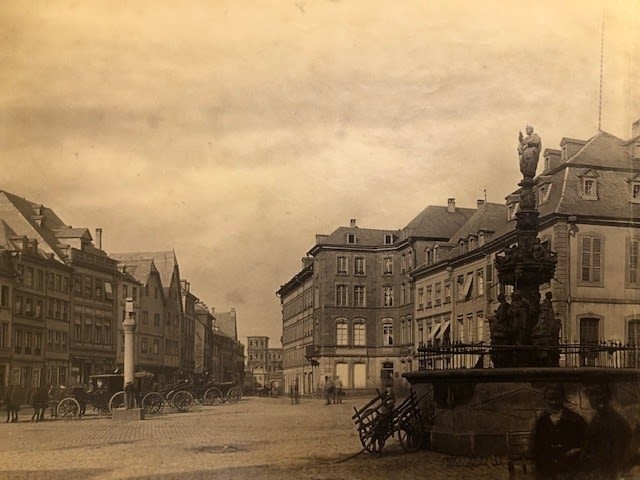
{"x":260,"y":438}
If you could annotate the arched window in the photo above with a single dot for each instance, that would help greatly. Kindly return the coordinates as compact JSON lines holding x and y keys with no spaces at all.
{"x":359,"y":333}
{"x":387,"y":332}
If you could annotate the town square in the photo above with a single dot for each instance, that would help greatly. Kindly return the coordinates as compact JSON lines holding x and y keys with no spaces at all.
{"x":320,"y":239}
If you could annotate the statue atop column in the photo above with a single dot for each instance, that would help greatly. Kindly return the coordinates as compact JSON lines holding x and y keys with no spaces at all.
{"x":529,"y":151}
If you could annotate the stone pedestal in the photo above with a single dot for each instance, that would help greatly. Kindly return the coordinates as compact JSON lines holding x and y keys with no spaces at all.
{"x":127,"y":414}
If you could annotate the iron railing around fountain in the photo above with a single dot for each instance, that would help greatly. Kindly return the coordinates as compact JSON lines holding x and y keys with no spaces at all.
{"x":479,"y":355}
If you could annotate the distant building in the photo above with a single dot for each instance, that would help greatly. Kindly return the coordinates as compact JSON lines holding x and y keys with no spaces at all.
{"x":257,"y":359}
{"x":187,"y":341}
{"x":228,"y":352}
{"x":203,"y":339}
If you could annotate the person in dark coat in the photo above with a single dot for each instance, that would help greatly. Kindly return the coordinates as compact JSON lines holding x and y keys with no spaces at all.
{"x":557,"y":437}
{"x":607,"y":438}
{"x":39,"y":400}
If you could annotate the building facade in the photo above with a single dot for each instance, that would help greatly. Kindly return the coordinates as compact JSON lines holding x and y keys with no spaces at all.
{"x":588,"y":196}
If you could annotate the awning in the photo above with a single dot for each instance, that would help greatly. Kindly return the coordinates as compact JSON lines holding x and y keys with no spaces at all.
{"x":443,"y":330}
{"x":433,"y":333}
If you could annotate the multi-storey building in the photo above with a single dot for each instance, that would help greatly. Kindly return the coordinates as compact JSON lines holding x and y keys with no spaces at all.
{"x":189,"y":302}
{"x":296,"y":299}
{"x":228,"y":352}
{"x":257,"y":358}
{"x":7,"y":284}
{"x":203,"y":338}
{"x":588,"y":196}
{"x":59,"y":265}
{"x":362,"y":300}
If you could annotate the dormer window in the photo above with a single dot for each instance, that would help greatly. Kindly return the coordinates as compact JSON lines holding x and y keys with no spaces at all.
{"x":635,"y":192}
{"x":388,"y":239}
{"x":430,"y":255}
{"x":512,"y":209}
{"x":472,"y":242}
{"x":351,"y":238}
{"x":481,"y":239}
{"x":543,"y":193}
{"x":589,"y":185}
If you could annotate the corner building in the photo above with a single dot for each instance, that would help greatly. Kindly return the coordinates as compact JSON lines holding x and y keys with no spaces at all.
{"x":362,"y":325}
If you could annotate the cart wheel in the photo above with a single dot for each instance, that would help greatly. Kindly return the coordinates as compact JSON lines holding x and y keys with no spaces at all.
{"x":368,"y":432}
{"x":152,"y":403}
{"x":410,"y":435}
{"x":68,"y":409}
{"x":212,"y":396}
{"x":169,"y":397}
{"x":234,"y":394}
{"x":182,"y":400}
{"x":116,"y":401}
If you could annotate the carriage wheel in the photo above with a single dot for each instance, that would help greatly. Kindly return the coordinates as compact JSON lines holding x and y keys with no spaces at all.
{"x":369,"y":436}
{"x":234,"y":394}
{"x":68,"y":409}
{"x":169,"y":397}
{"x":182,"y":400}
{"x":410,"y":435}
{"x":212,"y":396}
{"x":116,"y":401}
{"x":152,"y":403}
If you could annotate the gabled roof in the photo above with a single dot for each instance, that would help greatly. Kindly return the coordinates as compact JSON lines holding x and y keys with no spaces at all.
{"x":489,"y":218}
{"x":438,"y":222}
{"x":226,"y":323}
{"x":165,"y":263}
{"x":5,"y":235}
{"x":139,"y":268}
{"x":19,"y":213}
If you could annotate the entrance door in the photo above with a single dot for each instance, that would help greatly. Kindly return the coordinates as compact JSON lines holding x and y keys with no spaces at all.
{"x":589,"y":336}
{"x":342,"y":371}
{"x":359,"y":375}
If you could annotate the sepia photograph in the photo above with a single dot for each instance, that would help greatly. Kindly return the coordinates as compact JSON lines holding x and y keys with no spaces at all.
{"x":319,"y":239}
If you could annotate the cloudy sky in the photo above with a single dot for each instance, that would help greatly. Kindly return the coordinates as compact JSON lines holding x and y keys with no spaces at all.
{"x":234,"y":131}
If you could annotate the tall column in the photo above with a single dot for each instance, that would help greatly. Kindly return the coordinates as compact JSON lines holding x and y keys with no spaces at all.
{"x":129,"y":327}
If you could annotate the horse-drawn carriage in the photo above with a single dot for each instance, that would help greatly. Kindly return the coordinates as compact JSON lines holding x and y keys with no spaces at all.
{"x":198,"y":388}
{"x":104,"y":393}
{"x":380,"y":420}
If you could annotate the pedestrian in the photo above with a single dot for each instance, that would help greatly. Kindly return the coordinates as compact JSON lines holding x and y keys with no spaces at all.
{"x":39,"y":400}
{"x":557,"y":437}
{"x":296,"y":391}
{"x":605,"y":450}
{"x":328,"y":390}
{"x":337,"y":385}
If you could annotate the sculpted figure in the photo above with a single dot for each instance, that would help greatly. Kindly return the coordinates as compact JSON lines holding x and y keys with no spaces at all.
{"x":500,"y":330}
{"x":529,"y":151}
{"x":546,"y":334}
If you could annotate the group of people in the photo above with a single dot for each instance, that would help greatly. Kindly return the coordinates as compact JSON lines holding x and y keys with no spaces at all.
{"x":41,"y":397}
{"x":566,"y":446}
{"x":333,"y":391}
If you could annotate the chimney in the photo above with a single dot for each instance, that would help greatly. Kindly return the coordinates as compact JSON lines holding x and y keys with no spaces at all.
{"x":480,"y":203}
{"x":552,"y":158}
{"x":451,"y":205}
{"x":353,"y":223}
{"x":99,"y":238}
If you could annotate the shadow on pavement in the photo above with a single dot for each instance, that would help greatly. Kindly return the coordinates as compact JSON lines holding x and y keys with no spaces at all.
{"x":83,"y":473}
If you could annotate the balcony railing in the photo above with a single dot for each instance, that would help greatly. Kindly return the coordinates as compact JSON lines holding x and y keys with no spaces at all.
{"x":479,"y":355}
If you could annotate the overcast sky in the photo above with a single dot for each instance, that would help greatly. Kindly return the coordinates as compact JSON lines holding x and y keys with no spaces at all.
{"x":234,"y":131}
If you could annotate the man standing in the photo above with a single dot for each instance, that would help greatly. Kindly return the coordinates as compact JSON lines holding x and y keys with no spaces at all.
{"x":337,"y":386}
{"x":328,"y":389}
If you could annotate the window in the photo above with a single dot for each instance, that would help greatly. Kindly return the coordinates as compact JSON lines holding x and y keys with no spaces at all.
{"x":359,"y":334}
{"x":589,"y":189}
{"x":359,"y":299}
{"x":108,"y":291}
{"x":543,"y":193}
{"x":635,"y":192}
{"x":87,"y":329}
{"x":28,"y":278}
{"x":481,"y":326}
{"x":342,"y":265}
{"x":429,"y":252}
{"x":420,"y":298}
{"x":106,"y":325}
{"x":632,"y":263}
{"x":28,"y":306}
{"x":38,"y":308}
{"x":351,"y":238}
{"x":4,"y":297}
{"x":134,"y":293}
{"x":77,"y":287}
{"x":387,"y":334}
{"x":38,"y":343}
{"x":341,"y":295}
{"x":480,"y":282}
{"x":39,"y":279}
{"x":429,"y":296}
{"x":403,"y":263}
{"x":591,"y":259}
{"x":359,"y":266}
{"x":438,"y":293}
{"x":50,"y":277}
{"x":156,"y":347}
{"x":447,"y":291}
{"x":87,"y":287}
{"x":387,"y":265}
{"x":388,"y":296}
{"x":144,"y":345}
{"x":388,"y":239}
{"x":341,"y":333}
{"x":156,"y":319}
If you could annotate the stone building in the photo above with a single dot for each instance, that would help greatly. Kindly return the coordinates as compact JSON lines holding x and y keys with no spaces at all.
{"x":187,"y":342}
{"x":588,"y":196}
{"x":257,"y":359}
{"x":362,"y":302}
{"x":228,"y":351}
{"x":203,"y":339}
